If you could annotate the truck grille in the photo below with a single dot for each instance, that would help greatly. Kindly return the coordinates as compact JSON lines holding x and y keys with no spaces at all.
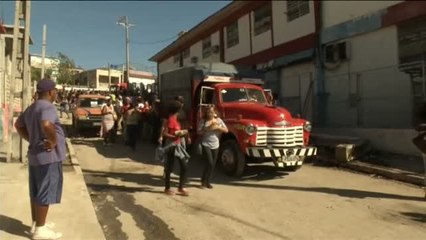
{"x":279,"y":137}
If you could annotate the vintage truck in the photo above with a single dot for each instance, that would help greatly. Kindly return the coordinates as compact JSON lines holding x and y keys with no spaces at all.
{"x":87,"y":113}
{"x":258,"y":131}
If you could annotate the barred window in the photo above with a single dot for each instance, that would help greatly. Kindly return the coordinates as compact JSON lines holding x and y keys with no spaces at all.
{"x":207,"y":50}
{"x":232,"y":34}
{"x":296,"y":9}
{"x":186,"y":53}
{"x":262,"y":19}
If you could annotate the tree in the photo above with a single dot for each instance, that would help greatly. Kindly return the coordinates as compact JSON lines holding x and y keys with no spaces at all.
{"x":36,"y":73}
{"x":66,"y":66}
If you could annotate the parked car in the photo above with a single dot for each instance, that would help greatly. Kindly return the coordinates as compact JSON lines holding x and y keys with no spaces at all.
{"x":87,"y":112}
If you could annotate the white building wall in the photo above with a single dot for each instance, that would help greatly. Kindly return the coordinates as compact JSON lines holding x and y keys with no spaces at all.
{"x":285,"y":31}
{"x":242,"y":49}
{"x":262,"y":41}
{"x":383,"y":89}
{"x":295,"y":81}
{"x":196,"y":50}
{"x":166,"y":65}
{"x":335,"y":12}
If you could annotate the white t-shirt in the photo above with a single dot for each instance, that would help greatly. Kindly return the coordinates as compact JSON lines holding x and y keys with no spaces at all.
{"x":210,"y":139}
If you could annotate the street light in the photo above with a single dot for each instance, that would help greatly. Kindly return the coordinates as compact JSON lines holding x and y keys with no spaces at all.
{"x":123,"y":21}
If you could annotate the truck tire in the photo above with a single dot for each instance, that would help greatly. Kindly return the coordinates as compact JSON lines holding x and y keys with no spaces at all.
{"x":297,"y":167}
{"x":231,"y":158}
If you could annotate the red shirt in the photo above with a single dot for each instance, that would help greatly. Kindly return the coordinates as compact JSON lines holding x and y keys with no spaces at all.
{"x":173,"y":125}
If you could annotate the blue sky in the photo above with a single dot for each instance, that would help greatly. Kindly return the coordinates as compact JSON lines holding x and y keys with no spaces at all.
{"x":87,"y":32}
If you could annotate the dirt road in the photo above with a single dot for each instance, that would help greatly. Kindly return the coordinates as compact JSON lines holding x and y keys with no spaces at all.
{"x":312,"y":203}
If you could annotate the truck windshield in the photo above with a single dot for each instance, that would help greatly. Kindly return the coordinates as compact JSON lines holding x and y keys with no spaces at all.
{"x":91,"y":102}
{"x":243,"y":95}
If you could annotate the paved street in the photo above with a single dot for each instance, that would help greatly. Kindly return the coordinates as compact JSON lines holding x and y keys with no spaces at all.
{"x":313,"y":203}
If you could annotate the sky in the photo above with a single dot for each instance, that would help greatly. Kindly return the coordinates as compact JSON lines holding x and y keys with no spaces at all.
{"x":86,"y":31}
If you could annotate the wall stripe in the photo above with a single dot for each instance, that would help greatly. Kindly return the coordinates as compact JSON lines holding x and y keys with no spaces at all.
{"x":290,"y":47}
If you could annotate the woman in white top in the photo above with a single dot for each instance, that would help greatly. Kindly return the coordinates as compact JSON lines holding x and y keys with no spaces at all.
{"x":210,"y":128}
{"x":107,"y":121}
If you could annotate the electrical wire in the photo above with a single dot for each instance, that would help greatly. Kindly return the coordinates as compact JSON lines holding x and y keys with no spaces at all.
{"x":154,"y":42}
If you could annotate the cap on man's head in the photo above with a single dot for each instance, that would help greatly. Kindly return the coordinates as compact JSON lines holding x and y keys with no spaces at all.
{"x":45,"y":85}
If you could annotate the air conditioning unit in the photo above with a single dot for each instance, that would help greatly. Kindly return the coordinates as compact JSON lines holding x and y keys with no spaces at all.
{"x":337,"y":52}
{"x":194,"y":59}
{"x":215,"y":48}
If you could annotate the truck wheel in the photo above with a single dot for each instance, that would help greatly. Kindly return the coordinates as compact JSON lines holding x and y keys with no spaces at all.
{"x":232,"y":159}
{"x":297,"y":167}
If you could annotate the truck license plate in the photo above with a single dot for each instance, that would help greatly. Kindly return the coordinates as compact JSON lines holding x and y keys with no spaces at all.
{"x":96,"y":124}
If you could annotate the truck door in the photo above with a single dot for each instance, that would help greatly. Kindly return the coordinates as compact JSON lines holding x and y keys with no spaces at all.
{"x":206,"y":98}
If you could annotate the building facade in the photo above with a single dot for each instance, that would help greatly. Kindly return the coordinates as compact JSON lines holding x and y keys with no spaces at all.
{"x":350,"y":67}
{"x":51,"y":63}
{"x":99,"y":79}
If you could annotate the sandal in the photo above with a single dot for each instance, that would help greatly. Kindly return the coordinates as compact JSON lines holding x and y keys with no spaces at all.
{"x":183,"y":192}
{"x":169,"y":192}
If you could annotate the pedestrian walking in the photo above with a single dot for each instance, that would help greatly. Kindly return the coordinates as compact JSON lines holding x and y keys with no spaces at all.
{"x":176,"y":136}
{"x":108,"y":119}
{"x":64,"y":107}
{"x":40,"y":126}
{"x":132,"y":121}
{"x":210,"y":128}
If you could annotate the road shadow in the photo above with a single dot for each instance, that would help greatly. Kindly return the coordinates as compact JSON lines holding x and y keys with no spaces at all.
{"x":415,"y":216}
{"x":13,"y":226}
{"x":144,"y":153}
{"x":145,"y":180}
{"x":349,"y":193}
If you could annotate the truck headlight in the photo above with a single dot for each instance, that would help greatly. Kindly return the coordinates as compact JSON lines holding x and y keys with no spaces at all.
{"x":250,"y":129}
{"x":82,"y":117}
{"x":307,"y":126}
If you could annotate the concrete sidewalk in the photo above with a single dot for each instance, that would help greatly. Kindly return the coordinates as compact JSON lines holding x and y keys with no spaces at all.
{"x":75,"y":217}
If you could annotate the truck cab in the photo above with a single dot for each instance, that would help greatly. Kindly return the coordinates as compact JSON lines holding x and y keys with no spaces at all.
{"x":258,"y":131}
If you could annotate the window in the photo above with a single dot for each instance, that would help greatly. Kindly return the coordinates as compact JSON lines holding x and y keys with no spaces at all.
{"x":176,"y":58}
{"x":296,"y":9}
{"x":207,"y":50}
{"x":232,"y":34}
{"x":242,"y":95}
{"x":262,"y":19}
{"x":91,"y":102}
{"x":186,"y":53}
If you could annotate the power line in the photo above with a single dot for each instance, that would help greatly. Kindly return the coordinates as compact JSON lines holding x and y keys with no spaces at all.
{"x":154,"y":42}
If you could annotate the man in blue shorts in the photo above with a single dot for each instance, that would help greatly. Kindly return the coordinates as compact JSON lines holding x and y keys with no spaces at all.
{"x":39,"y":125}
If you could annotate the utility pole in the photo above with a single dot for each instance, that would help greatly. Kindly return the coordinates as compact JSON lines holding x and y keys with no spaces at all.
{"x":43,"y":51}
{"x":26,"y":86}
{"x":109,"y":77}
{"x":22,"y":13}
{"x":123,"y":21}
{"x":11,"y":107}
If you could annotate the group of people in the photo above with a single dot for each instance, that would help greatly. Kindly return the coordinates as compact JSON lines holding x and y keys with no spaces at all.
{"x":174,"y":140}
{"x":134,"y":118}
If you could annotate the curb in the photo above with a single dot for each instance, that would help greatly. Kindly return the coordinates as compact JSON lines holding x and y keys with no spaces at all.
{"x":74,"y":161}
{"x":391,"y":173}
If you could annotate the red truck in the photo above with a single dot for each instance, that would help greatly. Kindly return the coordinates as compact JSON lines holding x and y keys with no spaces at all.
{"x":258,"y":131}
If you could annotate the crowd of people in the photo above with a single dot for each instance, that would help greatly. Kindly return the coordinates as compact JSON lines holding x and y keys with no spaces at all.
{"x":39,"y":124}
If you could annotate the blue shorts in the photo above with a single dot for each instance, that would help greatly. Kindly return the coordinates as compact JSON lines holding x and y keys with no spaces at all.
{"x":46,"y":183}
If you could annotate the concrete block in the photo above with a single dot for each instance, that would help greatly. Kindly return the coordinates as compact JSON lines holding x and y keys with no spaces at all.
{"x":344,"y":152}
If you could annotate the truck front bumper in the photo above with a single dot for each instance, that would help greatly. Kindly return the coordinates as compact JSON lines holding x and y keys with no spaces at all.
{"x":283,"y":157}
{"x":264,"y":152}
